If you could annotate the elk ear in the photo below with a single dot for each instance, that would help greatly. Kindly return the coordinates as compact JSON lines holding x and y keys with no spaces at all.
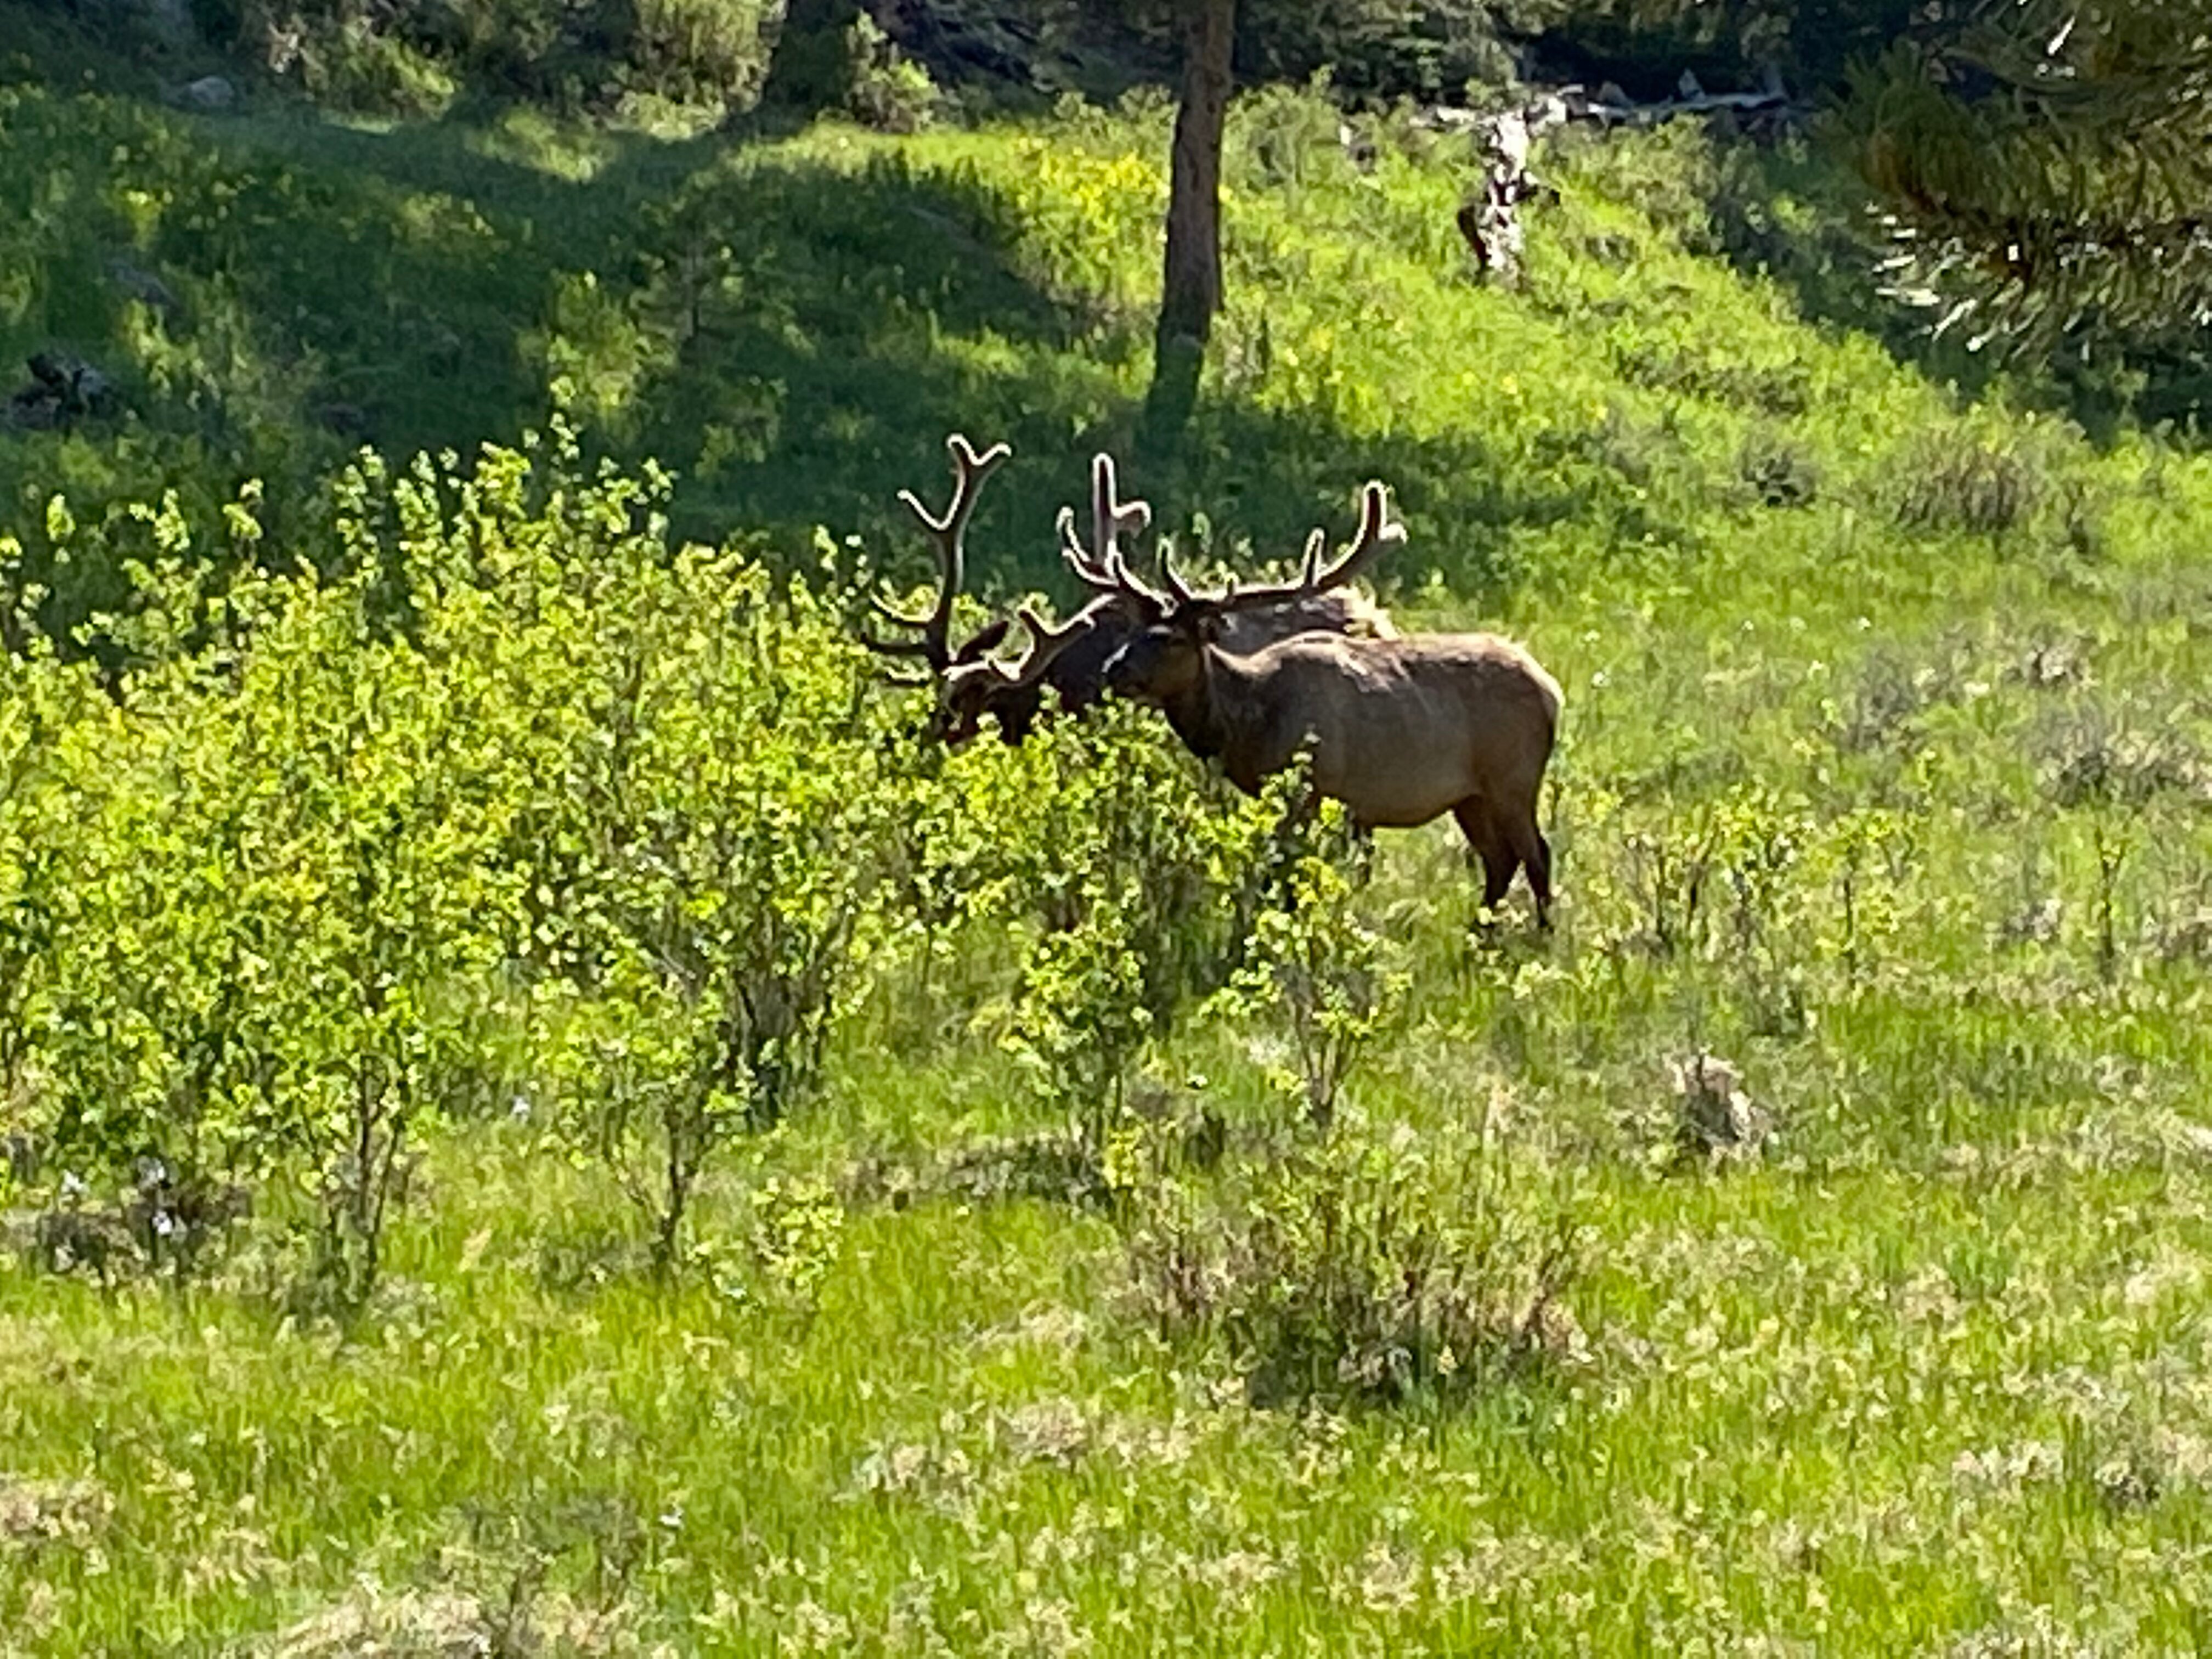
{"x":985,"y":642}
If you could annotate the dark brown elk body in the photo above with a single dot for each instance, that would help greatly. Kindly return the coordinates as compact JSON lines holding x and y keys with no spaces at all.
{"x":1400,"y":730}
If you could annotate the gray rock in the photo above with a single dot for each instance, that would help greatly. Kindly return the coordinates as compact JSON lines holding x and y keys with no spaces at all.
{"x":1714,"y":1119}
{"x":210,"y":94}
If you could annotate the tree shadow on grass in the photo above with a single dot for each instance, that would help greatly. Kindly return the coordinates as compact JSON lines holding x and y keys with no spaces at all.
{"x":808,"y":336}
{"x":1264,"y":479}
{"x":705,"y":303}
{"x":792,"y":329}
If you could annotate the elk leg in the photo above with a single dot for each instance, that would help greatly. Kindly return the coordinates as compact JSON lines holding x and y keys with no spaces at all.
{"x":1536,"y":858}
{"x":1492,"y":848}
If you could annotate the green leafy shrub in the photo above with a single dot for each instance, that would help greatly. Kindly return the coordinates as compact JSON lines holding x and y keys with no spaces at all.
{"x":50,"y":759}
{"x":287,"y":866}
{"x":958,"y":856}
{"x":513,"y":767}
{"x":797,"y":1228}
{"x":733,"y":814}
{"x":1141,"y":865}
{"x":1958,"y":483}
{"x":1866,"y":856}
{"x":697,"y":797}
{"x":1283,"y":137}
{"x":352,"y":64}
{"x":714,"y":50}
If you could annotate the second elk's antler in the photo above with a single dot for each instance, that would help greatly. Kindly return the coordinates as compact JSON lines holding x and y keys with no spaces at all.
{"x":1102,"y":566}
{"x":1378,"y":530}
{"x":986,"y":678}
{"x":1108,"y":573}
{"x":949,"y":531}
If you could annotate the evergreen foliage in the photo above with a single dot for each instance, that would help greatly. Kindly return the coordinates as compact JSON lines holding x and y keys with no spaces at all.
{"x":2047,"y":168}
{"x":1646,"y":45}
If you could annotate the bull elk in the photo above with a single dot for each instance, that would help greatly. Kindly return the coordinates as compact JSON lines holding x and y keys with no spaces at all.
{"x":1070,"y":661}
{"x":1400,"y":730}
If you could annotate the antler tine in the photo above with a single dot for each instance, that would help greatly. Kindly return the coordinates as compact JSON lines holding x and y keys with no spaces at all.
{"x":1103,"y":567}
{"x":1110,"y":514}
{"x":883,"y":647}
{"x":1177,"y":588}
{"x":949,"y":531}
{"x":1105,"y":511}
{"x":1076,"y":557}
{"x":970,"y":469}
{"x":1047,"y":642}
{"x":1378,"y":531}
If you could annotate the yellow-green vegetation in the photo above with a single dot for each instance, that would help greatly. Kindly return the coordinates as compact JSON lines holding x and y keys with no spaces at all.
{"x":539,"y":1117}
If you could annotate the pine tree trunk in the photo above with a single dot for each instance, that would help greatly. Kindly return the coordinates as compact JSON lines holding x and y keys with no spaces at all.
{"x":1192,"y":294}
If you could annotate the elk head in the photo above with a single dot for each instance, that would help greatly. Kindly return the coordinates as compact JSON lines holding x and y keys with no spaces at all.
{"x":1070,"y":661}
{"x":1164,"y":660}
{"x":987,"y":685}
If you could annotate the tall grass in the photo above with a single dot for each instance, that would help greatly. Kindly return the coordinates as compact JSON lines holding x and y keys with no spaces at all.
{"x":1897,"y":809}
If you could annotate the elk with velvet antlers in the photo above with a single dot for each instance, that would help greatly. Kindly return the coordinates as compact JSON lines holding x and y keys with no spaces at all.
{"x":1400,"y":730}
{"x":1070,"y":661}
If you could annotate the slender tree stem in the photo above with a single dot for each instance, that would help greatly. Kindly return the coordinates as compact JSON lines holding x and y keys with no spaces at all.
{"x":1190,"y":293}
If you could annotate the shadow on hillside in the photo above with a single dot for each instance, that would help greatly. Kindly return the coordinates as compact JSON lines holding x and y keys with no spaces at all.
{"x":1785,"y":213}
{"x":795,"y":338}
{"x":815,"y":334}
{"x":1268,"y":478}
{"x":793,"y":332}
{"x":794,"y":329}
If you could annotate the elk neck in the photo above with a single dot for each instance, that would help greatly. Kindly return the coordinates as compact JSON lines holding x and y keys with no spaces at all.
{"x":1204,"y":714}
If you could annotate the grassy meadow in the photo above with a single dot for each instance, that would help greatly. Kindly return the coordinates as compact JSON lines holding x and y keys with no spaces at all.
{"x":1019,"y":1306}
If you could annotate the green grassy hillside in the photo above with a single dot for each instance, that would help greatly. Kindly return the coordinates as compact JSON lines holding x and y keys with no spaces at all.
{"x":794,"y":324}
{"x":1884,"y":776}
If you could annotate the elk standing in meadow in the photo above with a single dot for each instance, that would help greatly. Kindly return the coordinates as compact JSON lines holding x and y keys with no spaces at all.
{"x":1400,"y":730}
